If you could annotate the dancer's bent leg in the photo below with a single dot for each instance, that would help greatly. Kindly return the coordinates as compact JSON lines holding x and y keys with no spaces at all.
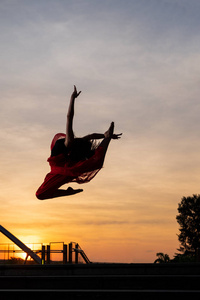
{"x":50,"y":188}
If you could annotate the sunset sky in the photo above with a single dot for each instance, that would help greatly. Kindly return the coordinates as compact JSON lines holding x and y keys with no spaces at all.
{"x":137,"y":63}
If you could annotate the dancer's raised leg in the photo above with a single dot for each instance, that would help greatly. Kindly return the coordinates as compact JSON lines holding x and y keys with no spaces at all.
{"x":108,"y":136}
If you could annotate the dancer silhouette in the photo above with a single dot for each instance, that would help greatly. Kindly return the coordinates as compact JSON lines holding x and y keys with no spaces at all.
{"x":74,"y":159}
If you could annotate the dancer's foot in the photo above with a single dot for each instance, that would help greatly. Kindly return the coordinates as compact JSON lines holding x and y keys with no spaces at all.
{"x":71,"y":191}
{"x":109,"y":132}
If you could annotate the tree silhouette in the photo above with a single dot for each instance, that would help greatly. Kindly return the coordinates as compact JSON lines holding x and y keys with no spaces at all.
{"x":162,"y":258}
{"x":189,"y":221}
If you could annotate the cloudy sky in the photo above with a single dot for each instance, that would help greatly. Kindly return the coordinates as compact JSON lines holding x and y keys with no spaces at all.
{"x":136,"y":63}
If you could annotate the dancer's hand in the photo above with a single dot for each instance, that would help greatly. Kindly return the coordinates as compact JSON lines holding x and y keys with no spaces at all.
{"x":116,"y":136}
{"x":75,"y":94}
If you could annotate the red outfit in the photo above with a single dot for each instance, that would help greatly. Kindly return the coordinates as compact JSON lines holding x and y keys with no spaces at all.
{"x":64,"y":171}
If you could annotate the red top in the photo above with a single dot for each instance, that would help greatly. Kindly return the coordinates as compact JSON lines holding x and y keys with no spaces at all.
{"x":81,"y":171}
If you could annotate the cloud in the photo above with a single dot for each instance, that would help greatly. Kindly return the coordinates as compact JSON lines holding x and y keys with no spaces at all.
{"x":137,"y":64}
{"x":105,"y":222}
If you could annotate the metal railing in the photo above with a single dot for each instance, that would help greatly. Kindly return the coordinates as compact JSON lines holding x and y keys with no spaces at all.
{"x":68,"y":253}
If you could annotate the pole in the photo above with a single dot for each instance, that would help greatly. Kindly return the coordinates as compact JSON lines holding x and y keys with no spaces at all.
{"x":64,"y":254}
{"x":76,"y":254}
{"x":70,"y":253}
{"x":43,"y":254}
{"x":48,"y":255}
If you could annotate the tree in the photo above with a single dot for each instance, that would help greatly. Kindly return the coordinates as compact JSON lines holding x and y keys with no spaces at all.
{"x":189,"y":221}
{"x":162,"y":258}
{"x":16,"y":260}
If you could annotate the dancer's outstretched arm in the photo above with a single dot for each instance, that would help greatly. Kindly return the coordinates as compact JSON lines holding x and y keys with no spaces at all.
{"x":70,"y":115}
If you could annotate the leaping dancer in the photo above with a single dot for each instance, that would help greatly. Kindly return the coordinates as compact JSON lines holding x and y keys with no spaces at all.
{"x":74,"y":159}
